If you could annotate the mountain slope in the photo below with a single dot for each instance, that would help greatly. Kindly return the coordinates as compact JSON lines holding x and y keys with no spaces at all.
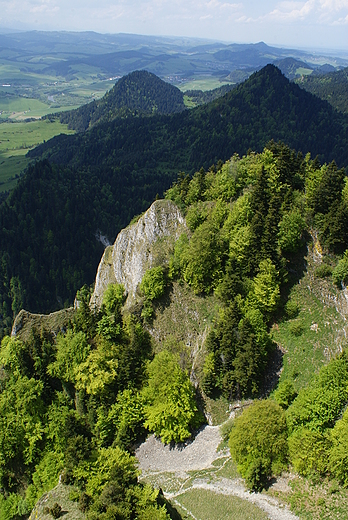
{"x":266,"y":106}
{"x":333,"y":87}
{"x":139,"y":90}
{"x":102,"y":177}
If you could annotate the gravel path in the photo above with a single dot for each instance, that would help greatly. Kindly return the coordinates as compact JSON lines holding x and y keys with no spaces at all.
{"x":194,"y":455}
{"x":199,"y":454}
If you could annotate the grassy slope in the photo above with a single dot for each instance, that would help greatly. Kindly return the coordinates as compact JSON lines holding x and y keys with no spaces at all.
{"x":318,"y":332}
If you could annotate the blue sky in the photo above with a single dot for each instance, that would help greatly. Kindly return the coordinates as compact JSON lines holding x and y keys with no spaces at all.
{"x":309,"y":23}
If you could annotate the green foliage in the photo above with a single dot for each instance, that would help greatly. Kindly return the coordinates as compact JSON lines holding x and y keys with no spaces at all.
{"x":291,"y":309}
{"x":21,"y":428}
{"x":338,"y":457}
{"x":323,"y":271}
{"x":308,"y":451}
{"x":153,"y":283}
{"x":140,"y":90}
{"x":332,"y":87}
{"x":319,"y":405}
{"x":285,"y":394}
{"x":203,"y":258}
{"x":50,"y":248}
{"x":123,"y":422}
{"x":170,"y":408}
{"x":13,"y":507}
{"x":113,"y":299}
{"x":340,"y":272}
{"x":258,"y":442}
{"x":72,"y":350}
{"x":99,"y":370}
{"x":265,"y":293}
{"x":45,"y":476}
{"x":238,"y":349}
{"x":110,"y":324}
{"x":291,"y":229}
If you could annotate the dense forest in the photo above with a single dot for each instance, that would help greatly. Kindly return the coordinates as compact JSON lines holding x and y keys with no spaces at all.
{"x":333,"y":87}
{"x":75,"y":404}
{"x":96,"y":181}
{"x":138,"y":91}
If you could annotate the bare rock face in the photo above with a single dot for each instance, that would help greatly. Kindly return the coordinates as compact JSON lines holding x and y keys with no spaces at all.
{"x":137,"y":248}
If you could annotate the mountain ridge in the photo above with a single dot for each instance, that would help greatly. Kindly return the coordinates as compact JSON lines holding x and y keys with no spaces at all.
{"x":97,"y":180}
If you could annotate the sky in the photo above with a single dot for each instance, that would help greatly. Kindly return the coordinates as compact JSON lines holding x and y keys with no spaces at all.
{"x":307,"y":24}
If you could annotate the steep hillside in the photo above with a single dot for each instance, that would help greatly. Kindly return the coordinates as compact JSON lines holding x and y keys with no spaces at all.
{"x":292,"y":68}
{"x":138,"y":91}
{"x":266,"y":106}
{"x":224,"y":283}
{"x":333,"y":87}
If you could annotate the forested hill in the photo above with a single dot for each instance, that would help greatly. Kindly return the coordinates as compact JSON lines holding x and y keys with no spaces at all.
{"x":266,"y":106}
{"x":95,"y":182}
{"x":333,"y":87}
{"x":139,"y":90}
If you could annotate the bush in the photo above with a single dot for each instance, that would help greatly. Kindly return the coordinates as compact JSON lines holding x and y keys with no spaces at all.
{"x":153,"y":283}
{"x":340,"y":273}
{"x":258,"y":442}
{"x":296,"y":328}
{"x":285,"y":394}
{"x":308,"y":452}
{"x":323,"y":271}
{"x":84,"y":502}
{"x":291,"y":309}
{"x":338,"y":458}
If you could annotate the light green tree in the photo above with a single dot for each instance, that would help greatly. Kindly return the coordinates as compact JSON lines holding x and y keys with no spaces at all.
{"x":265,"y":292}
{"x":258,"y":442}
{"x":170,"y":408}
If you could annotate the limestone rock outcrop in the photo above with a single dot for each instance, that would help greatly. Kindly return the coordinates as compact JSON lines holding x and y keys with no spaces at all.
{"x":137,"y":248}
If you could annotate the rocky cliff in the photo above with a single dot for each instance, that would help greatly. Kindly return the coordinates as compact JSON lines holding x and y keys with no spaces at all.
{"x":137,"y":248}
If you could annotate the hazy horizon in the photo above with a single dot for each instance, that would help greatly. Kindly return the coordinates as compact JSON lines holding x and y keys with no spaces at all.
{"x":312,"y":24}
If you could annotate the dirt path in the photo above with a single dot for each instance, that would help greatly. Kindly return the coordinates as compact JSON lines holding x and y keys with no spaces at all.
{"x":197,"y":455}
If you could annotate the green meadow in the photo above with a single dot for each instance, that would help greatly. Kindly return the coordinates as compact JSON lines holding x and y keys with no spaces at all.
{"x":16,"y":138}
{"x":202,"y":83}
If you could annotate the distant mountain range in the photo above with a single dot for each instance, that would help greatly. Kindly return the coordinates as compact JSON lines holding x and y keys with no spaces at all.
{"x":92,"y":183}
{"x":62,"y":54}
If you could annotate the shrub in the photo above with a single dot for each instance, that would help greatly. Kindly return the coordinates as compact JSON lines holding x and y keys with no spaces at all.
{"x":296,"y":328}
{"x":84,"y":502}
{"x":258,"y":442}
{"x":323,"y":271}
{"x":308,"y":452}
{"x":153,"y":283}
{"x":340,"y":273}
{"x":285,"y":394}
{"x":291,"y":309}
{"x":338,"y":458}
